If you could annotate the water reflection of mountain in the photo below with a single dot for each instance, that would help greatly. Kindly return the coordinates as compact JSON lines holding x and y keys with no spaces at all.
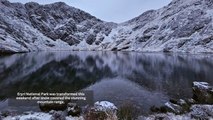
{"x":71,"y":71}
{"x":48,"y":71}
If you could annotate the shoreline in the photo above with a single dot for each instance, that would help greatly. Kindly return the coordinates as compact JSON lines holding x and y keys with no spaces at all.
{"x":198,"y":111}
{"x":200,"y":106}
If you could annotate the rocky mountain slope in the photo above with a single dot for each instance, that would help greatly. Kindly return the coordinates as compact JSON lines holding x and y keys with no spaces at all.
{"x":181,"y":26}
{"x":57,"y":26}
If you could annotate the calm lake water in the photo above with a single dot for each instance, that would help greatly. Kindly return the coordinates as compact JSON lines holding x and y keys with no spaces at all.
{"x":141,"y":79}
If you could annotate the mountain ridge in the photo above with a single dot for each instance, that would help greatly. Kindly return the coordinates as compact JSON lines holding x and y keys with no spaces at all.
{"x":181,"y":26}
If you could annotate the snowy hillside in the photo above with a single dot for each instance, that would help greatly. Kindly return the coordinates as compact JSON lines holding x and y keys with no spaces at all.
{"x":182,"y":26}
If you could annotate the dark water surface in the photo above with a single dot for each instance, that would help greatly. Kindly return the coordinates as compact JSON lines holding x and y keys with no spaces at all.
{"x":142,"y":79}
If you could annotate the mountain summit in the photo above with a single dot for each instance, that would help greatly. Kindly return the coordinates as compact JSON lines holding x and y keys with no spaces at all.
{"x":181,"y":26}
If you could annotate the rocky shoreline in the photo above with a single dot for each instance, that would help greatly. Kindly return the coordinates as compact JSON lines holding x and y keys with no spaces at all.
{"x":200,"y":106}
{"x":101,"y":110}
{"x":197,"y":112}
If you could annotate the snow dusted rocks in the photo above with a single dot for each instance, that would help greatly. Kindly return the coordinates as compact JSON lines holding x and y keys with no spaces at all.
{"x":73,"y":109}
{"x":102,"y":110}
{"x":200,"y":107}
{"x":202,"y":111}
{"x":181,"y":26}
{"x":198,"y":112}
{"x":175,"y":106}
{"x":202,"y":92}
{"x":201,"y":85}
{"x":58,"y":115}
{"x":43,"y":116}
{"x":104,"y":106}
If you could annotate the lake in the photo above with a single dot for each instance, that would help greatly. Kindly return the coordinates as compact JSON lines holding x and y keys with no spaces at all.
{"x":141,"y":79}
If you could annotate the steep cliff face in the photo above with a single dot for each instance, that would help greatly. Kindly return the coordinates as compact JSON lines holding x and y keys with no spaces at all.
{"x":57,"y":26}
{"x":181,"y":26}
{"x":17,"y":33}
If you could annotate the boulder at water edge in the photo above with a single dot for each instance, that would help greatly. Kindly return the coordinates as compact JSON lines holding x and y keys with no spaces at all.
{"x":202,"y":92}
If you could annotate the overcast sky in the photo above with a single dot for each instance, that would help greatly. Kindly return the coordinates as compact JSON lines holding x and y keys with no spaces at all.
{"x":110,"y":10}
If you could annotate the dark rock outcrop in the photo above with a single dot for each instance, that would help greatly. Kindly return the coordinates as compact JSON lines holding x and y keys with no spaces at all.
{"x":58,"y":115}
{"x":200,"y":107}
{"x":53,"y":106}
{"x":73,"y":109}
{"x":203,"y":93}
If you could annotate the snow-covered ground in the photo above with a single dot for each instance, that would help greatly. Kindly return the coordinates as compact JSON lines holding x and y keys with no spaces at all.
{"x":99,"y":106}
{"x":39,"y":116}
{"x":197,"y":112}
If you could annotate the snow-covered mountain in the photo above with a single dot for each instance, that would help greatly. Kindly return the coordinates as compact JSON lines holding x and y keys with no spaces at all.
{"x":181,"y":26}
